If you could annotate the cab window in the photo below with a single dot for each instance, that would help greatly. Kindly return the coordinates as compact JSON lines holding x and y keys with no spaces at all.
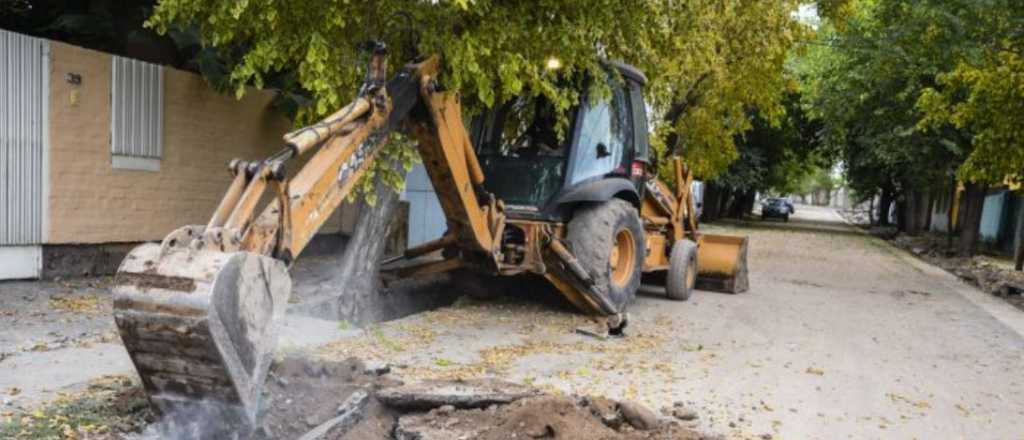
{"x":521,"y":152}
{"x":605,"y":142}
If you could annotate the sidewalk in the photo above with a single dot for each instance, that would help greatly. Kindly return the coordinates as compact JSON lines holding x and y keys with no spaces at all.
{"x":59,"y":336}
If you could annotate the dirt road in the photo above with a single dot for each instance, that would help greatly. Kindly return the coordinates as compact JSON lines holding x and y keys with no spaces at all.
{"x":841,"y":336}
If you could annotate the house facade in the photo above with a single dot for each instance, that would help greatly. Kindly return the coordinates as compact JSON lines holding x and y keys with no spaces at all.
{"x":100,"y":152}
{"x":1001,"y":217}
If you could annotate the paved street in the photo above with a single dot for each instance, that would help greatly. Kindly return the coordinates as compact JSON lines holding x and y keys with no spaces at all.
{"x":841,"y":336}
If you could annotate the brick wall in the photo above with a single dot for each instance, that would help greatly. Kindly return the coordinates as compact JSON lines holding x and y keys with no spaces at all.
{"x":91,"y":202}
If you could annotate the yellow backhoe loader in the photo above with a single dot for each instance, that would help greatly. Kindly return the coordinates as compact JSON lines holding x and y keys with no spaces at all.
{"x":199,"y":311}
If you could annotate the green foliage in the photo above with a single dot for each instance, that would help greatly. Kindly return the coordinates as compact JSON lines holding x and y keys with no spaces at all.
{"x":810,"y":179}
{"x":863,"y":83}
{"x":713,"y":65}
{"x":911,"y":92}
{"x":836,"y":11}
{"x":708,"y":62}
{"x":393,"y":162}
{"x":775,"y":156}
{"x":984,"y":93}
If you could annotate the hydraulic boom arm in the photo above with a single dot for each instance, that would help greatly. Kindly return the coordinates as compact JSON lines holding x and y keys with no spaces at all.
{"x":343,"y":146}
{"x":198,"y":313}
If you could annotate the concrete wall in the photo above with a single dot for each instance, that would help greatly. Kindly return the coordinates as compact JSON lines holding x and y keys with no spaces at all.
{"x":992,"y":216}
{"x":91,"y":202}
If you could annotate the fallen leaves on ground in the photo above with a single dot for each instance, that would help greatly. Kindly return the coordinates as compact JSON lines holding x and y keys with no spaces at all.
{"x":414,"y":347}
{"x":76,"y":303}
{"x":920,"y":404}
{"x":110,"y":405}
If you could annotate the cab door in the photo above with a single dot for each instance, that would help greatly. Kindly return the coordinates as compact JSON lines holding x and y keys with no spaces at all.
{"x":604,"y":145}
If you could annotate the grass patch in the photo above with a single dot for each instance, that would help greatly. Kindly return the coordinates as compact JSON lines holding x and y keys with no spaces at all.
{"x":110,"y":406}
{"x":385,"y":341}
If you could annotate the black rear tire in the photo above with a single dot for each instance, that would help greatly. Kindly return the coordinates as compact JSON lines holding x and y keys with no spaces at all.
{"x":682,"y":270}
{"x":593,"y":233}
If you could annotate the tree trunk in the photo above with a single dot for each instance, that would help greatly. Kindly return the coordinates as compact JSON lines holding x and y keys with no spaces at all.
{"x":1018,"y":257}
{"x":742,"y":203}
{"x":974,"y":198}
{"x":712,"y":203}
{"x":725,"y":203}
{"x":913,"y":214}
{"x":351,"y":292}
{"x":950,"y":217}
{"x":930,"y":206}
{"x":748,"y":202}
{"x":916,"y":212}
{"x":901,"y":212}
{"x":884,"y":205}
{"x":871,"y":210}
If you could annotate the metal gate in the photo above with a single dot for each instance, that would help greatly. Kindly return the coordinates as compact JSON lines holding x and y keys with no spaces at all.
{"x":23,"y":113}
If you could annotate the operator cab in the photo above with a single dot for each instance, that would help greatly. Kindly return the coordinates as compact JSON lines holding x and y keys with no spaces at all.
{"x":540,"y":173}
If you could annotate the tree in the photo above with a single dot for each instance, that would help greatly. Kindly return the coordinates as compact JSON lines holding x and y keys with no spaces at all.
{"x":864,"y":82}
{"x":984,"y":93}
{"x":114,"y":27}
{"x":775,"y":156}
{"x":706,"y":63}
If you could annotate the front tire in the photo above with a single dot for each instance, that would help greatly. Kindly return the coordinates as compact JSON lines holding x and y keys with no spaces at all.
{"x":682,"y":270}
{"x":608,"y":241}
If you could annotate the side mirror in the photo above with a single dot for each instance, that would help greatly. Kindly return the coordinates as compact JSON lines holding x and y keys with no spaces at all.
{"x":602,"y":151}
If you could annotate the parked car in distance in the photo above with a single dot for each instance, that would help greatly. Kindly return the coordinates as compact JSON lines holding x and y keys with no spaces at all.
{"x":775,"y":207}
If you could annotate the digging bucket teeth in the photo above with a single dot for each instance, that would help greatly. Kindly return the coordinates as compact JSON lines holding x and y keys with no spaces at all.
{"x":722,"y":263}
{"x":200,"y":326}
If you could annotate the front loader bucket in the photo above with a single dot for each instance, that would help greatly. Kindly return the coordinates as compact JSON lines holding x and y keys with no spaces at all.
{"x":722,"y":263}
{"x":200,"y":327}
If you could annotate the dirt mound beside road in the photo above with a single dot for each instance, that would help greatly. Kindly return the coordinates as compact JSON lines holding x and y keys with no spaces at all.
{"x":316,"y":400}
{"x":542,"y":417}
{"x":304,"y":396}
{"x":301,"y":394}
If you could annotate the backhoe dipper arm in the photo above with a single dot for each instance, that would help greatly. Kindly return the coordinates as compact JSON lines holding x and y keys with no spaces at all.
{"x":343,"y":146}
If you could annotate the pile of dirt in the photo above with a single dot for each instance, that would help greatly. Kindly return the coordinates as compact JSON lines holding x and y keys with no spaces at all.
{"x":307,"y":399}
{"x":302,"y":394}
{"x":543,"y":417}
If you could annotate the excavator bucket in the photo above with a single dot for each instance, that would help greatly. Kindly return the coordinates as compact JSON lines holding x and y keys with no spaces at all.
{"x":722,"y":263}
{"x":201,"y":327}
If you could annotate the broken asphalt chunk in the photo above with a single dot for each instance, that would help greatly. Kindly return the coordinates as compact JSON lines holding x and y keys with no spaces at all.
{"x":639,"y":416}
{"x":475,"y":393}
{"x":349,"y":413}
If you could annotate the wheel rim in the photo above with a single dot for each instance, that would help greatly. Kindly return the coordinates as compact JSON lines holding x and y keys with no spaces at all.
{"x":623,"y":257}
{"x":691,"y":274}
